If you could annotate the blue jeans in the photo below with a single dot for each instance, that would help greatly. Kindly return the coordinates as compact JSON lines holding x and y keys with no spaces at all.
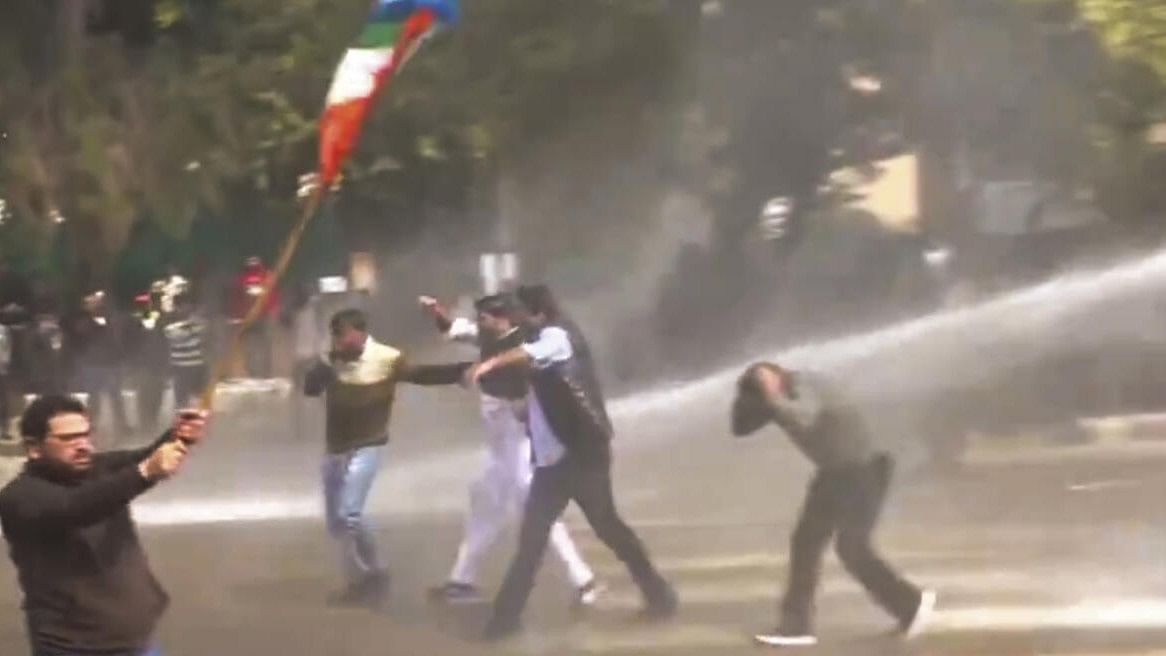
{"x":348,"y":477}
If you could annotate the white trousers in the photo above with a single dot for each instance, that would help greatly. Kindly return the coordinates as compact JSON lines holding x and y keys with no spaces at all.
{"x":498,"y":495}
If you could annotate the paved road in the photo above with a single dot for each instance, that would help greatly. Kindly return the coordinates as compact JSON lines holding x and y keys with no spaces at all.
{"x":1061,"y":551}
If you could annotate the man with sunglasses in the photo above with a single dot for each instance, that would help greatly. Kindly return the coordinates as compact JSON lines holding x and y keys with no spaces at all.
{"x":87,"y":584}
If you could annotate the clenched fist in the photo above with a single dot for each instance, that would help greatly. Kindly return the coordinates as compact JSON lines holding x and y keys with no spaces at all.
{"x":190,"y":425}
{"x":164,"y":462}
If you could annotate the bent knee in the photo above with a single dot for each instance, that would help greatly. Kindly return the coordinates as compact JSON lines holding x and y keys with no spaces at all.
{"x":852,"y":549}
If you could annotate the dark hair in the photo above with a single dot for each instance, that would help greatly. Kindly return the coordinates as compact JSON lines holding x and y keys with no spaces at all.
{"x":34,"y":423}
{"x":501,"y":306}
{"x":538,"y":300}
{"x":350,"y":318}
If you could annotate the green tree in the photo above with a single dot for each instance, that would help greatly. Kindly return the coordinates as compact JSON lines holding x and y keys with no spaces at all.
{"x":1133,"y":29}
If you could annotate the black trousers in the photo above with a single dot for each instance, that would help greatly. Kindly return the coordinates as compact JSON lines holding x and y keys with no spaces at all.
{"x":844,"y":504}
{"x":150,"y":385}
{"x":588,"y":485}
{"x":257,"y":349}
{"x":5,"y":393}
{"x":104,"y":381}
{"x":188,"y":384}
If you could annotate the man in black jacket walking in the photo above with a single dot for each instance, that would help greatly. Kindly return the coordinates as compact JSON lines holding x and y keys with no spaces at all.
{"x":501,"y":490}
{"x":571,"y":442}
{"x":844,"y":499}
{"x":87,"y":584}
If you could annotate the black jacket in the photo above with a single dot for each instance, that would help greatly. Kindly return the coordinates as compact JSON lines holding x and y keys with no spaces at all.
{"x":572,"y":400}
{"x":86,"y":582}
{"x":96,"y":343}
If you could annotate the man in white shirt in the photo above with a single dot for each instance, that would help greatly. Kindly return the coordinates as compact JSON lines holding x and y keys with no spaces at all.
{"x":502,"y":488}
{"x":571,"y":440}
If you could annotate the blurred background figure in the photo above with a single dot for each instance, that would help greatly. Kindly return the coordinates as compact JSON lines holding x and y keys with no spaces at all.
{"x":309,"y":338}
{"x":257,"y":345}
{"x":5,"y":367}
{"x":97,"y":344}
{"x":187,"y":337}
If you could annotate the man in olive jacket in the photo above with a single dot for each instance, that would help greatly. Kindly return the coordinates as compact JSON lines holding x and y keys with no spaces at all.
{"x":358,"y":380}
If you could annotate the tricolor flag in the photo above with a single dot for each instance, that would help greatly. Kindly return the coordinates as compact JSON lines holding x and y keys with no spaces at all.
{"x":394,"y":31}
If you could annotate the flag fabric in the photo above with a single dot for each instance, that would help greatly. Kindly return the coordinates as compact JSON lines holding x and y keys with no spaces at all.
{"x":393,"y":32}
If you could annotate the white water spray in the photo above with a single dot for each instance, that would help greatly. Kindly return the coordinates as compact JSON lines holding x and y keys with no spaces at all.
{"x":903,"y":361}
{"x":912,"y":359}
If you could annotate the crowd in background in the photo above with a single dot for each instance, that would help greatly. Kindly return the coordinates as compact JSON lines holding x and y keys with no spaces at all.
{"x":162,"y":339}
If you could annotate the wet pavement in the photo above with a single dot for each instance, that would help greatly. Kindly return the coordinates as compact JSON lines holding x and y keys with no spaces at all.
{"x":1049,"y":550}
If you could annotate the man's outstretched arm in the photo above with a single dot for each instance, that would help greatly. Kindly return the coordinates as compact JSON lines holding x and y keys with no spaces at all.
{"x":453,"y":373}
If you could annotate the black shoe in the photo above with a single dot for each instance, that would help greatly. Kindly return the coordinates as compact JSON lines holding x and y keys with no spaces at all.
{"x":498,"y":630}
{"x":350,"y":596}
{"x":454,"y":593}
{"x":370,"y":592}
{"x":376,"y":588}
{"x":661,"y":606}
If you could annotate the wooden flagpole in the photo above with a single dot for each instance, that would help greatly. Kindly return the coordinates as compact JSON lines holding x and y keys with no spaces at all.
{"x":311,"y":207}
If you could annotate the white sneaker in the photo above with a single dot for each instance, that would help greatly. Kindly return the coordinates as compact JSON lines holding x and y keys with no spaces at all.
{"x":922,"y":614}
{"x":781,"y":638}
{"x":587,"y":595}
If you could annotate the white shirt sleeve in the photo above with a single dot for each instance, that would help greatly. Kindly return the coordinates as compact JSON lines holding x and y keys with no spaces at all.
{"x":463,"y":330}
{"x":553,"y":345}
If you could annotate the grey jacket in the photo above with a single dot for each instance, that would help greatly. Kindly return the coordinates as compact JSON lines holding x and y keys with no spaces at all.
{"x":818,"y":417}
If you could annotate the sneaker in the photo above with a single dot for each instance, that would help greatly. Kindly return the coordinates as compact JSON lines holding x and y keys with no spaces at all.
{"x":452,"y":592}
{"x":922,"y":614}
{"x":587,"y":594}
{"x":785,"y":638}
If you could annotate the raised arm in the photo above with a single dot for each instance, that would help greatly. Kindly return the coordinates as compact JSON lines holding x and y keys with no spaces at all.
{"x":458,"y":329}
{"x":39,"y":505}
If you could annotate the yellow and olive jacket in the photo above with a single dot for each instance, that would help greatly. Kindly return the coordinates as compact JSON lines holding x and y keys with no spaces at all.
{"x":359,"y":393}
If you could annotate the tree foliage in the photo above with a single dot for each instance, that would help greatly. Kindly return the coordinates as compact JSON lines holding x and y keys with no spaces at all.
{"x":1133,"y":29}
{"x":217,"y":114}
{"x":213,"y":113}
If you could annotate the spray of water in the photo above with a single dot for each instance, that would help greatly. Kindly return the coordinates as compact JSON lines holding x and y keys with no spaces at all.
{"x":907,"y":360}
{"x":914,"y":358}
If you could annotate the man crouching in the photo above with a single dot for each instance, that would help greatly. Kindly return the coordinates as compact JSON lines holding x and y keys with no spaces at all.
{"x":843,"y":501}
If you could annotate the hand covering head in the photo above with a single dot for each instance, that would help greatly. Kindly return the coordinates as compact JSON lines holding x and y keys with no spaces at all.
{"x":751,"y":410}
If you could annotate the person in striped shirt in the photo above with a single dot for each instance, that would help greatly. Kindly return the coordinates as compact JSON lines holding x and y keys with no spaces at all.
{"x":187,"y":336}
